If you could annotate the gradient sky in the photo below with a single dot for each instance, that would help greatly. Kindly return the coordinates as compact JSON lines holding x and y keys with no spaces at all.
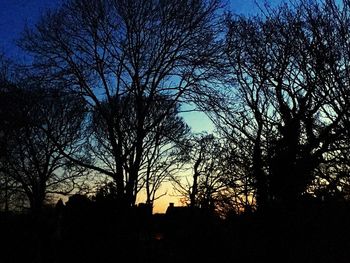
{"x":16,"y":14}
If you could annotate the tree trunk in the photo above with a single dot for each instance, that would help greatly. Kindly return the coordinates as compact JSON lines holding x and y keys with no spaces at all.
{"x":262,"y":195}
{"x":194,"y":192}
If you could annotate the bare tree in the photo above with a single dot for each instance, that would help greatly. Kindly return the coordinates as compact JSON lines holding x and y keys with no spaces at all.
{"x":9,"y":197}
{"x":215,"y":182}
{"x":286,"y":99}
{"x":163,"y":152}
{"x":161,"y":144}
{"x":31,"y":160}
{"x":109,"y":51}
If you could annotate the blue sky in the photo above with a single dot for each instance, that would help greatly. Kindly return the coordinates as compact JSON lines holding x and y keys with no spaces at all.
{"x":15,"y":14}
{"x":251,"y":6}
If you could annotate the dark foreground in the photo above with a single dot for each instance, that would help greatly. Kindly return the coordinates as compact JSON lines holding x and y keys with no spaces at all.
{"x":308,"y":233}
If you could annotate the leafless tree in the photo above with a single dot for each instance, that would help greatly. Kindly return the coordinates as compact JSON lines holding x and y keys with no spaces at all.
{"x":216,"y":181}
{"x":111,"y":50}
{"x":286,"y":99}
{"x":9,"y":197}
{"x":31,"y":161}
{"x":161,"y":145}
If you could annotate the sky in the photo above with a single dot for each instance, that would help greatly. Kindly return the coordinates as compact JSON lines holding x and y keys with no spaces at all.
{"x":16,"y":14}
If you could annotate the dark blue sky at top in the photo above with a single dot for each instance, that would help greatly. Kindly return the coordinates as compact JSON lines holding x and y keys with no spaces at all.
{"x":15,"y":14}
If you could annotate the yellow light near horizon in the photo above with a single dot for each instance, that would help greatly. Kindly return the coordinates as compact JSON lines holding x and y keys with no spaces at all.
{"x":160,"y":205}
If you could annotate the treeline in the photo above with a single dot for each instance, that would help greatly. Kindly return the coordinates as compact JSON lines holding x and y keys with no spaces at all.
{"x":102,"y":97}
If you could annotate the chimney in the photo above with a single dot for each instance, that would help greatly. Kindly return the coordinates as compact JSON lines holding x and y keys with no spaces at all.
{"x":170,"y":208}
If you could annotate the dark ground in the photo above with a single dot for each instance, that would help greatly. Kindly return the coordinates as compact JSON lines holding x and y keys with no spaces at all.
{"x":85,"y":233}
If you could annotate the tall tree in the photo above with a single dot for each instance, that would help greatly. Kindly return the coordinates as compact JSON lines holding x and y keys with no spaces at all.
{"x":287,"y":96}
{"x":161,"y":144}
{"x":9,"y":188}
{"x":31,"y":160}
{"x":115,"y":50}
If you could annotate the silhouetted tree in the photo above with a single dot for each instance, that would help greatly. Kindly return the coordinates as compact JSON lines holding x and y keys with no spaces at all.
{"x":214,"y":182}
{"x":160,"y":145}
{"x":135,"y":52}
{"x":31,"y":160}
{"x":9,"y":121}
{"x":287,"y":104}
{"x":206,"y":154}
{"x":106,"y":195}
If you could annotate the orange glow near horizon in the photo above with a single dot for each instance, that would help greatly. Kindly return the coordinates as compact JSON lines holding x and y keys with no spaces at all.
{"x":160,"y":205}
